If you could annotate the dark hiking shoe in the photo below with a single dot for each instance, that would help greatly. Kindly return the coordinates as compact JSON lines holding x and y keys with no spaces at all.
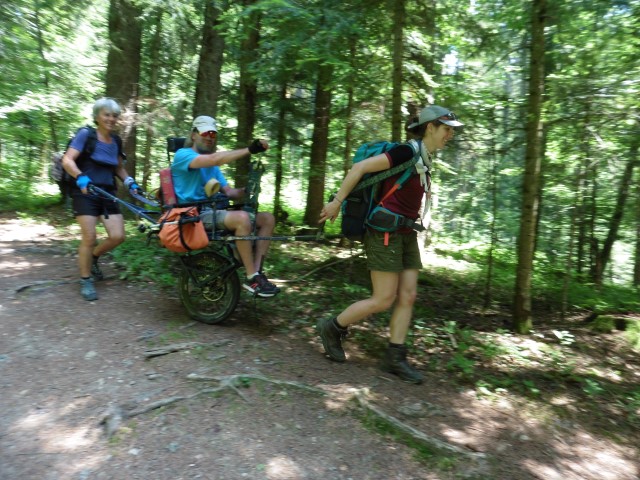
{"x":96,"y":272}
{"x":332,"y":336}
{"x":395,"y":361}
{"x":260,"y":286}
{"x":87,"y":289}
{"x":265,"y":279}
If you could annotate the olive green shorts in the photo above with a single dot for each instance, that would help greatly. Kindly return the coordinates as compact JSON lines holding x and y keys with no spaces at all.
{"x":402,"y":253}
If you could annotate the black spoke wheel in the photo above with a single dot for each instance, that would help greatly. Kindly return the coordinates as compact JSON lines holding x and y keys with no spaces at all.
{"x":209,"y":287}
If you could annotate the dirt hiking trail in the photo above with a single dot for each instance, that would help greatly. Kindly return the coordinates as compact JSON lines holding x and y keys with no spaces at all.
{"x":128,"y":387}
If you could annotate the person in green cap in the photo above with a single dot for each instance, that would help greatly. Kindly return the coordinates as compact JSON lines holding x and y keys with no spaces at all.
{"x":393,"y":258}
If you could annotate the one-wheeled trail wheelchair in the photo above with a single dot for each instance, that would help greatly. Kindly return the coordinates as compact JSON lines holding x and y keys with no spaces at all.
{"x":208,"y":283}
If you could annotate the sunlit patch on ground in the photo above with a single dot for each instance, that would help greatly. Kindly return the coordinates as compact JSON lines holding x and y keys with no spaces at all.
{"x":283,"y":468}
{"x":23,"y":230}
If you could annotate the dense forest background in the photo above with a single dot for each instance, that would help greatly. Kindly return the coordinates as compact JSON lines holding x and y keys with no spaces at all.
{"x":544,"y":175}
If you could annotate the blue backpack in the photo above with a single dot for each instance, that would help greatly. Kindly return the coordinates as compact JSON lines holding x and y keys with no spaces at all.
{"x":362,"y":208}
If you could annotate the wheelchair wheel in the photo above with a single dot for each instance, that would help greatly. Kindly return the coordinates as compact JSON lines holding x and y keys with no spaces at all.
{"x":209,"y":286}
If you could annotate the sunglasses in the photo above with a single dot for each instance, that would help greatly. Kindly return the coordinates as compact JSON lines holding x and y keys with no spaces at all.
{"x":448,"y":116}
{"x":209,"y":134}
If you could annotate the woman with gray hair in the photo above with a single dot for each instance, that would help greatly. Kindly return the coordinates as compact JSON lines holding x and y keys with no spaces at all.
{"x":95,"y":157}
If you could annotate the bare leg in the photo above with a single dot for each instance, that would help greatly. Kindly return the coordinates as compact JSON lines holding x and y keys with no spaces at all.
{"x":385,"y":286}
{"x":403,"y":309}
{"x":238,"y":222}
{"x":87,"y":243}
{"x":114,"y":226}
{"x":266,"y":224}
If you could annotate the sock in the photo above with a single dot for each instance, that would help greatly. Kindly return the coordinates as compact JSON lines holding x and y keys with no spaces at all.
{"x":85,"y":278}
{"x":249,"y":278}
{"x":396,"y":345}
{"x":95,"y":259}
{"x":335,"y":322}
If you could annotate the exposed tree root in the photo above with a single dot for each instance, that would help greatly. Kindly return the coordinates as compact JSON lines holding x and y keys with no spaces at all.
{"x":113,"y":418}
{"x":116,"y":415}
{"x":177,"y":347}
{"x":416,"y":435}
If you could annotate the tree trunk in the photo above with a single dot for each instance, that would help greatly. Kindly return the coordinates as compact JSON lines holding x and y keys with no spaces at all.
{"x":636,"y":262}
{"x":123,"y":69}
{"x":572,"y":234}
{"x":280,"y":143}
{"x":604,"y":255}
{"x":154,"y":67}
{"x":430,"y":16}
{"x":208,"y":83}
{"x":583,"y":197}
{"x":320,"y":141}
{"x":348,"y":130}
{"x":247,"y":101}
{"x":399,"y":16}
{"x":493,"y":236}
{"x":522,"y":320}
{"x":45,"y":75}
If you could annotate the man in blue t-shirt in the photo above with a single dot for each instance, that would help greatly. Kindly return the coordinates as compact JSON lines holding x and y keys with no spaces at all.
{"x":197,"y":163}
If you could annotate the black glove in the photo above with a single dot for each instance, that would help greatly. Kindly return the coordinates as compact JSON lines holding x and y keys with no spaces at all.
{"x":256,"y":147}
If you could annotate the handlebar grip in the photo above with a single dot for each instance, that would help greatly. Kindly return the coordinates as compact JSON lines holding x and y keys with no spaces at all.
{"x":186,"y":219}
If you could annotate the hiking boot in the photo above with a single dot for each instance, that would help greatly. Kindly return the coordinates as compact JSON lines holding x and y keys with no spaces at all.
{"x":395,"y":361}
{"x":260,"y":286}
{"x":87,"y":290}
{"x":332,"y":336}
{"x":96,"y":272}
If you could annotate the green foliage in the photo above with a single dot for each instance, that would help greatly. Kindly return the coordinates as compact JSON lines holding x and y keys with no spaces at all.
{"x":631,"y":405}
{"x":633,"y":334}
{"x":18,"y":194}
{"x":142,"y":262}
{"x":592,"y":388}
{"x":603,"y":324}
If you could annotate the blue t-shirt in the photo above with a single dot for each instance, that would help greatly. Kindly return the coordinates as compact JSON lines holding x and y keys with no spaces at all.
{"x":105,"y":159}
{"x":188,"y":183}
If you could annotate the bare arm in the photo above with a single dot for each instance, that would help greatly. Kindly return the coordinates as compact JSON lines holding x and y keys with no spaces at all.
{"x":221,"y":158}
{"x":69,"y":162}
{"x":218,"y":158}
{"x":370,"y":165}
{"x":121,"y":172}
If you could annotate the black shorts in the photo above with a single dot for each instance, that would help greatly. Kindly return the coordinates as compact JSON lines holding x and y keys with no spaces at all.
{"x":93,"y":205}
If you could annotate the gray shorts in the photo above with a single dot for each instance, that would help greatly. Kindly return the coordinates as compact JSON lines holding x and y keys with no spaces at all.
{"x":206,"y":216}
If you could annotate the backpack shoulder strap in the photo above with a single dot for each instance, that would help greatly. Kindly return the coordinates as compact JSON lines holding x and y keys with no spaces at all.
{"x":378,"y":177}
{"x":416,"y":160}
{"x":118,"y":141}
{"x":90,"y":144}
